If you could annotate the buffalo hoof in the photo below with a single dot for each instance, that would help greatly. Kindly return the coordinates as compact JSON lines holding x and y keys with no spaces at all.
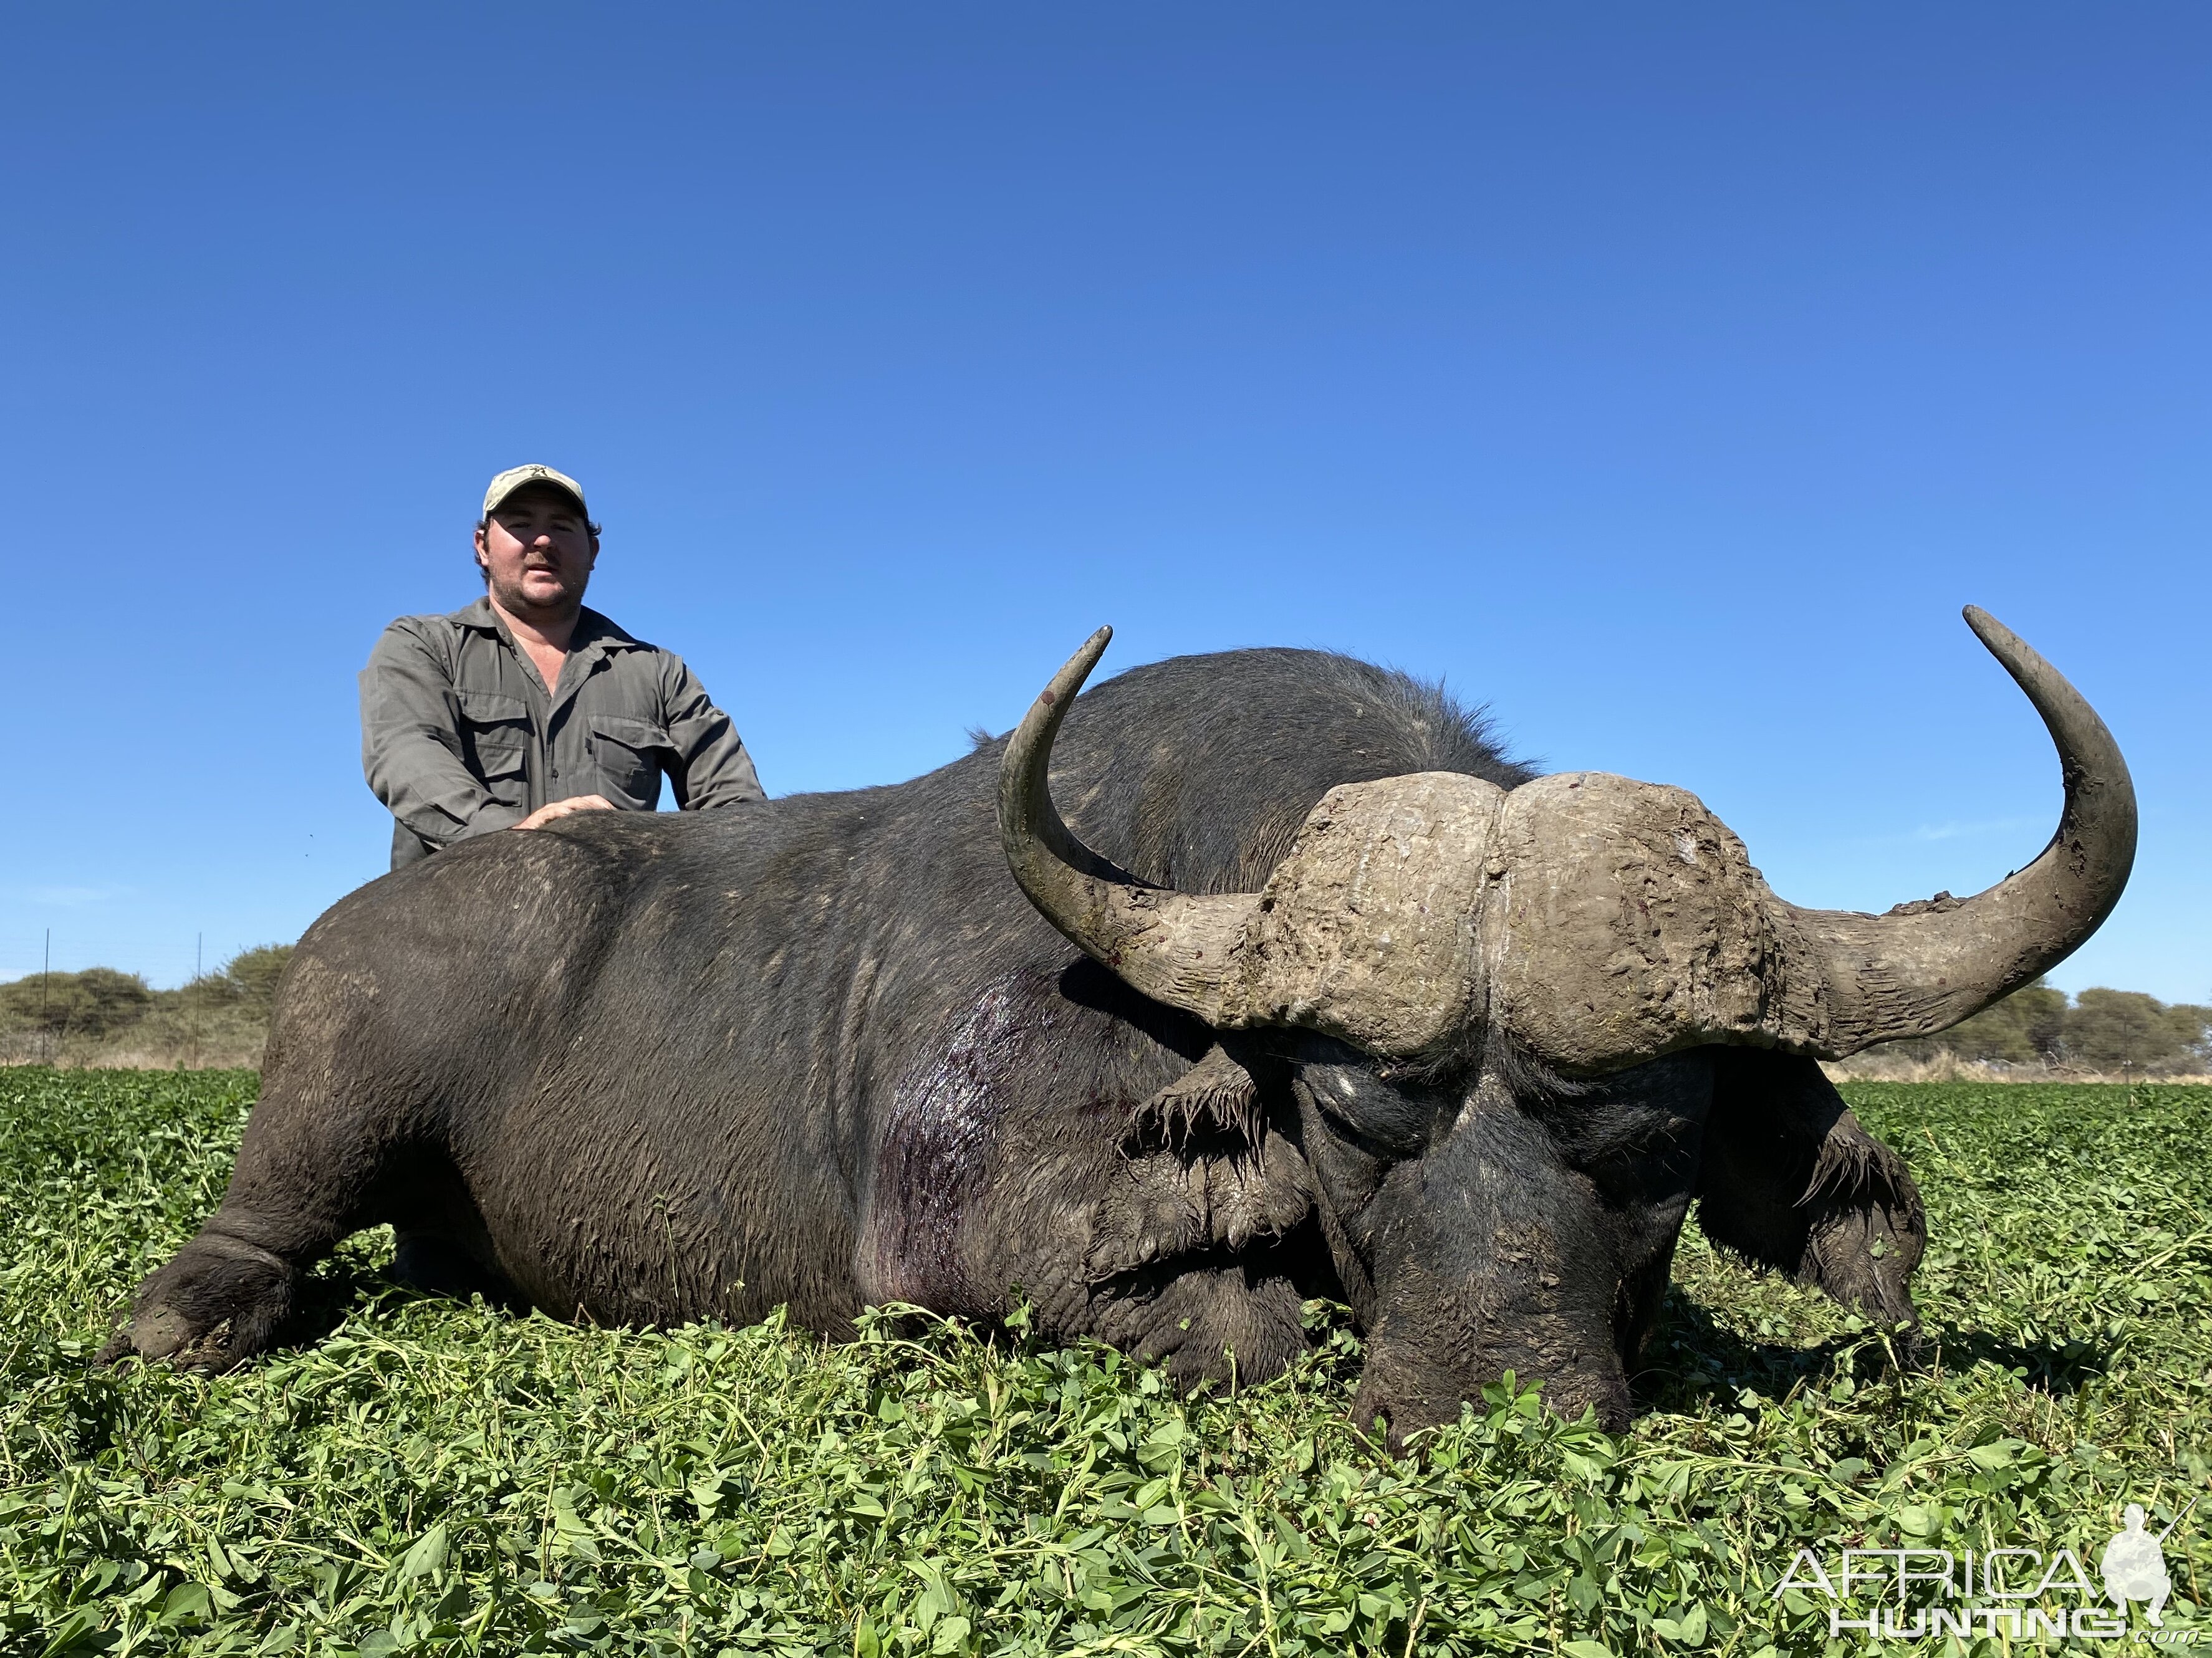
{"x":219,"y":1302}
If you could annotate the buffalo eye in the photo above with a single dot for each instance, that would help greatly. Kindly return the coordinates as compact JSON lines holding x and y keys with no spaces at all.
{"x":1394,"y":1121}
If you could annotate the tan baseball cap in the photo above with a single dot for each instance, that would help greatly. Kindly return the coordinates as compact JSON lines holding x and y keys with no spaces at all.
{"x":516,"y":476}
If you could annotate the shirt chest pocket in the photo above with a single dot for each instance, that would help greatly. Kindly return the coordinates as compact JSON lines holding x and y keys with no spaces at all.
{"x":495,"y":742}
{"x":628,"y":755}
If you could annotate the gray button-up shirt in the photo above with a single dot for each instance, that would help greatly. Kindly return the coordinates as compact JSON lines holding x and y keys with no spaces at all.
{"x":460,"y":735}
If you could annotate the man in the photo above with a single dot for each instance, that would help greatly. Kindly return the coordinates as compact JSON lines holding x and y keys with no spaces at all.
{"x":524,"y":706}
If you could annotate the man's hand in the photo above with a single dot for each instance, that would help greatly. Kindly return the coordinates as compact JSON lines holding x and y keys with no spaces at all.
{"x":553,"y":809}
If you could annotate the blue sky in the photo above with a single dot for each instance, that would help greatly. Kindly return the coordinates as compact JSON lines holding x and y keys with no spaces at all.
{"x":1666,"y":378}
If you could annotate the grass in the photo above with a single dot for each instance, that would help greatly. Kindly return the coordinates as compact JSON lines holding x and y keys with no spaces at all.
{"x":165,"y":1040}
{"x":442,"y":1479}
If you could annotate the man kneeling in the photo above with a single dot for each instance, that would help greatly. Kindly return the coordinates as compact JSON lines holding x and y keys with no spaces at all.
{"x":526,"y":705}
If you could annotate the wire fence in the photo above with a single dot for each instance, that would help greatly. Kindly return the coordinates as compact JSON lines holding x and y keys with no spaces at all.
{"x":165,"y":963}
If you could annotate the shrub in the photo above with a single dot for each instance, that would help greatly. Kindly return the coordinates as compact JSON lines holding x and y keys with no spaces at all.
{"x":100,"y":1015}
{"x":2110,"y":1029}
{"x":2026,"y":1027}
{"x":93,"y":1003}
{"x":2105,"y":1031}
{"x":256,"y":972}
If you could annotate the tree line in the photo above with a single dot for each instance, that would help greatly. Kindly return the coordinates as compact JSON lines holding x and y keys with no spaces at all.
{"x":221,"y":1017}
{"x":226,"y":1014}
{"x":2108,"y":1031}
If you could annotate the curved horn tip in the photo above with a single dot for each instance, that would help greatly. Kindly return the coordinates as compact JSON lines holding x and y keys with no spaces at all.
{"x":1913,"y":974}
{"x":1076,"y":669}
{"x":2020,"y":659}
{"x":1985,"y":625}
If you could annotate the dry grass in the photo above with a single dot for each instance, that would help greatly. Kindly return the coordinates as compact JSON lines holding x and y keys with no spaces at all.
{"x":1879,"y":1065}
{"x":227,"y":1039}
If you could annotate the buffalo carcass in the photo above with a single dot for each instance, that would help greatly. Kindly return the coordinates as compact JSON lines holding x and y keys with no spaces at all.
{"x":1361,"y":1009}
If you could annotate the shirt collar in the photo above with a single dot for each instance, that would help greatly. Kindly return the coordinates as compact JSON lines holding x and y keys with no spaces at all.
{"x":592,"y":627}
{"x":479,"y":616}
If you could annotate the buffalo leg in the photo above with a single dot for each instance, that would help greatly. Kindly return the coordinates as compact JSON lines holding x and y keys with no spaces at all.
{"x":436,"y":1264}
{"x":1791,"y":1180}
{"x":307,"y":1175}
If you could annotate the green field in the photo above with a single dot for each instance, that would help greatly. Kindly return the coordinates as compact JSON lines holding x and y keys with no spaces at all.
{"x":436,"y":1477}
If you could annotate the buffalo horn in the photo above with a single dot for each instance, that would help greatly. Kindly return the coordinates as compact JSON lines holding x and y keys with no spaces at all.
{"x":1172,"y":946}
{"x":1923,"y":967}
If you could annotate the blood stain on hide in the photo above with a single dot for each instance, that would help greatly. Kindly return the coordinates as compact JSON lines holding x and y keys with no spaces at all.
{"x":942,"y":1126}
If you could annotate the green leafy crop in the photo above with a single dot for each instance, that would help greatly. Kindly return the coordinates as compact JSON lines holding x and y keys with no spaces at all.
{"x":436,"y":1478}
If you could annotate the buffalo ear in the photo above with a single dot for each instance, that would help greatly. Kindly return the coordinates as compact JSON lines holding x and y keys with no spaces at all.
{"x":1791,"y":1180}
{"x":1200,"y":1173}
{"x":1217,"y":1099}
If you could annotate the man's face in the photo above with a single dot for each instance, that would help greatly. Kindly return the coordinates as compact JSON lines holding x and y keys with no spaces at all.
{"x":539,"y":552}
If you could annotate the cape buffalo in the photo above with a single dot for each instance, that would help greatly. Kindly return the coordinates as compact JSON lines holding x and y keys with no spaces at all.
{"x":1359,"y":1008}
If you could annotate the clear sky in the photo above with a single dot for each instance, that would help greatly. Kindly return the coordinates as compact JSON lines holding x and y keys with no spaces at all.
{"x":1665,"y":377}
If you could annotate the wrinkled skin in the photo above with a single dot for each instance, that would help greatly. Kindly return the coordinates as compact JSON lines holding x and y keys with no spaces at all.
{"x":1531,"y":1226}
{"x":820,"y":1053}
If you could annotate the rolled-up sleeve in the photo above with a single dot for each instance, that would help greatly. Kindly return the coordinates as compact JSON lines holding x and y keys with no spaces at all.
{"x":408,"y":748}
{"x":712,"y":767}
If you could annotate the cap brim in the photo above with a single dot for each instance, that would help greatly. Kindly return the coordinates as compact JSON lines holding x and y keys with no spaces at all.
{"x":521,"y":484}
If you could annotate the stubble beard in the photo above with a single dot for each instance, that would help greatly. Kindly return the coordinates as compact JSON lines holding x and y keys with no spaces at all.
{"x":516,"y":602}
